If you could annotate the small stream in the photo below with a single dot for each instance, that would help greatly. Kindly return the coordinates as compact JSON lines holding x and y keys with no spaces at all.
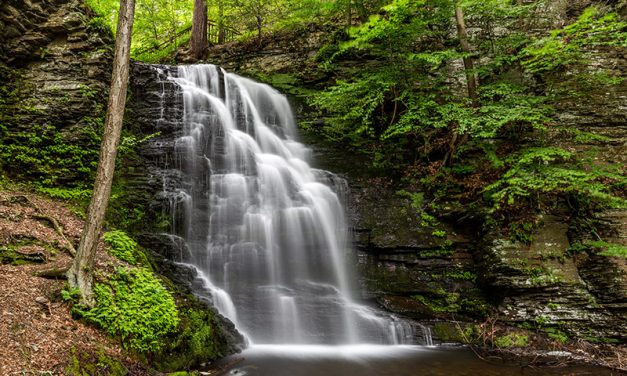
{"x":372,"y":360}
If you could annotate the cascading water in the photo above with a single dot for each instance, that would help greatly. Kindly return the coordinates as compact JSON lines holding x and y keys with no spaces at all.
{"x":265,"y":234}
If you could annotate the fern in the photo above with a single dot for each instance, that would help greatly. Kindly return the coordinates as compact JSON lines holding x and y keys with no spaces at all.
{"x":567,"y":46}
{"x":545,"y":170}
{"x":134,"y":305}
{"x":121,"y":246}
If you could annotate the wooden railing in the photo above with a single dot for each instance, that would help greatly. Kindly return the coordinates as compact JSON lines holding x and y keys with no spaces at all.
{"x":171,"y":40}
{"x":215,"y":36}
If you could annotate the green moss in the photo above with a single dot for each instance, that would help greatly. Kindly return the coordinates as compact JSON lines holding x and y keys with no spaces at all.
{"x":76,"y":194}
{"x":197,"y":339}
{"x":134,"y":306}
{"x":556,"y":334}
{"x":85,"y":364}
{"x":122,"y":246}
{"x":552,"y":306}
{"x":448,"y":303}
{"x":448,"y":332}
{"x":610,"y":249}
{"x":594,"y":339}
{"x":46,"y":155}
{"x":9,"y":253}
{"x":511,"y":340}
{"x":600,"y":247}
{"x":462,"y":275}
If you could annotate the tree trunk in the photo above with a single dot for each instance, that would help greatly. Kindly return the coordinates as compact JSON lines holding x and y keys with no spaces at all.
{"x":469,"y":67}
{"x":349,"y":13}
{"x":361,"y":11}
{"x":471,"y":82}
{"x":221,"y":31}
{"x":80,"y":274}
{"x":199,"y":30}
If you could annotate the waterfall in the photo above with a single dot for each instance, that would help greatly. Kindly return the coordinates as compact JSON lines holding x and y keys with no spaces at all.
{"x":265,"y":233}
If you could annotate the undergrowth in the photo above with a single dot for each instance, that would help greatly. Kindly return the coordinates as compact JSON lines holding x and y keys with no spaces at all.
{"x":122,"y":246}
{"x":133,"y":305}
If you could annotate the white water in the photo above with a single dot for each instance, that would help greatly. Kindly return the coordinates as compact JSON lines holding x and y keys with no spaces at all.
{"x":266,"y":235}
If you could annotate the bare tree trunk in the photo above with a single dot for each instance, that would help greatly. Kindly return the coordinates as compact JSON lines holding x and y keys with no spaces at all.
{"x":361,"y":11}
{"x":221,"y":33}
{"x":469,"y":66}
{"x":471,"y":82}
{"x":349,"y":13}
{"x":80,"y":274}
{"x":199,"y":30}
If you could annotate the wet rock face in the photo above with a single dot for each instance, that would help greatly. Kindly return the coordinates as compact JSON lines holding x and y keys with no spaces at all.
{"x":418,"y":269}
{"x":157,"y":110}
{"x":540,"y":282}
{"x":165,"y":251}
{"x":57,"y":53}
{"x":408,"y":270}
{"x":54,"y":74}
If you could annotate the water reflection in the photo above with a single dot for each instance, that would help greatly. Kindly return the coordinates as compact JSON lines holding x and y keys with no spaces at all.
{"x":372,"y":360}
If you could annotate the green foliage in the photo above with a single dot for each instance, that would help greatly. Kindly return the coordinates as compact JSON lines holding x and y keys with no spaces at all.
{"x":397,"y":107}
{"x":403,"y":111}
{"x":439,"y":233}
{"x":161,"y":26}
{"x":354,"y":106}
{"x":85,"y":364}
{"x":549,"y":170}
{"x":556,"y":334}
{"x":71,"y":295}
{"x":568,"y":46}
{"x":521,"y":232}
{"x":155,"y":21}
{"x":608,"y":249}
{"x":44,"y":154}
{"x":511,"y":340}
{"x":121,"y":246}
{"x":197,"y":340}
{"x":134,"y":306}
{"x":71,"y":194}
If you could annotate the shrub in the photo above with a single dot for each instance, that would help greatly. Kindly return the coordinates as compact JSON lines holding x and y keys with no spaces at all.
{"x":134,"y":305}
{"x":121,"y":246}
{"x":511,"y":340}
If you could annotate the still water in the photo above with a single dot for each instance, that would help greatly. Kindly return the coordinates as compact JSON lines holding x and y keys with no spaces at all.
{"x":367,"y":360}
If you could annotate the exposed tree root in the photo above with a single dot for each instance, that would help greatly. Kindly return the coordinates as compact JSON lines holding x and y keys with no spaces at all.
{"x":34,"y":257}
{"x":54,"y":273}
{"x":55,"y":224}
{"x":22,"y":199}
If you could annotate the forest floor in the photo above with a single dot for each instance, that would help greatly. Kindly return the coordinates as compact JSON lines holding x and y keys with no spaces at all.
{"x":38,"y":335}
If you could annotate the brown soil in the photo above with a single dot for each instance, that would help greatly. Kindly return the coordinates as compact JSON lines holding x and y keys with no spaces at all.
{"x":38,"y":335}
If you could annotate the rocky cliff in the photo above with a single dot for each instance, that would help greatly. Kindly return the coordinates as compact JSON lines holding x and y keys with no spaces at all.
{"x":463,"y":266}
{"x":54,"y":71}
{"x":55,"y":67}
